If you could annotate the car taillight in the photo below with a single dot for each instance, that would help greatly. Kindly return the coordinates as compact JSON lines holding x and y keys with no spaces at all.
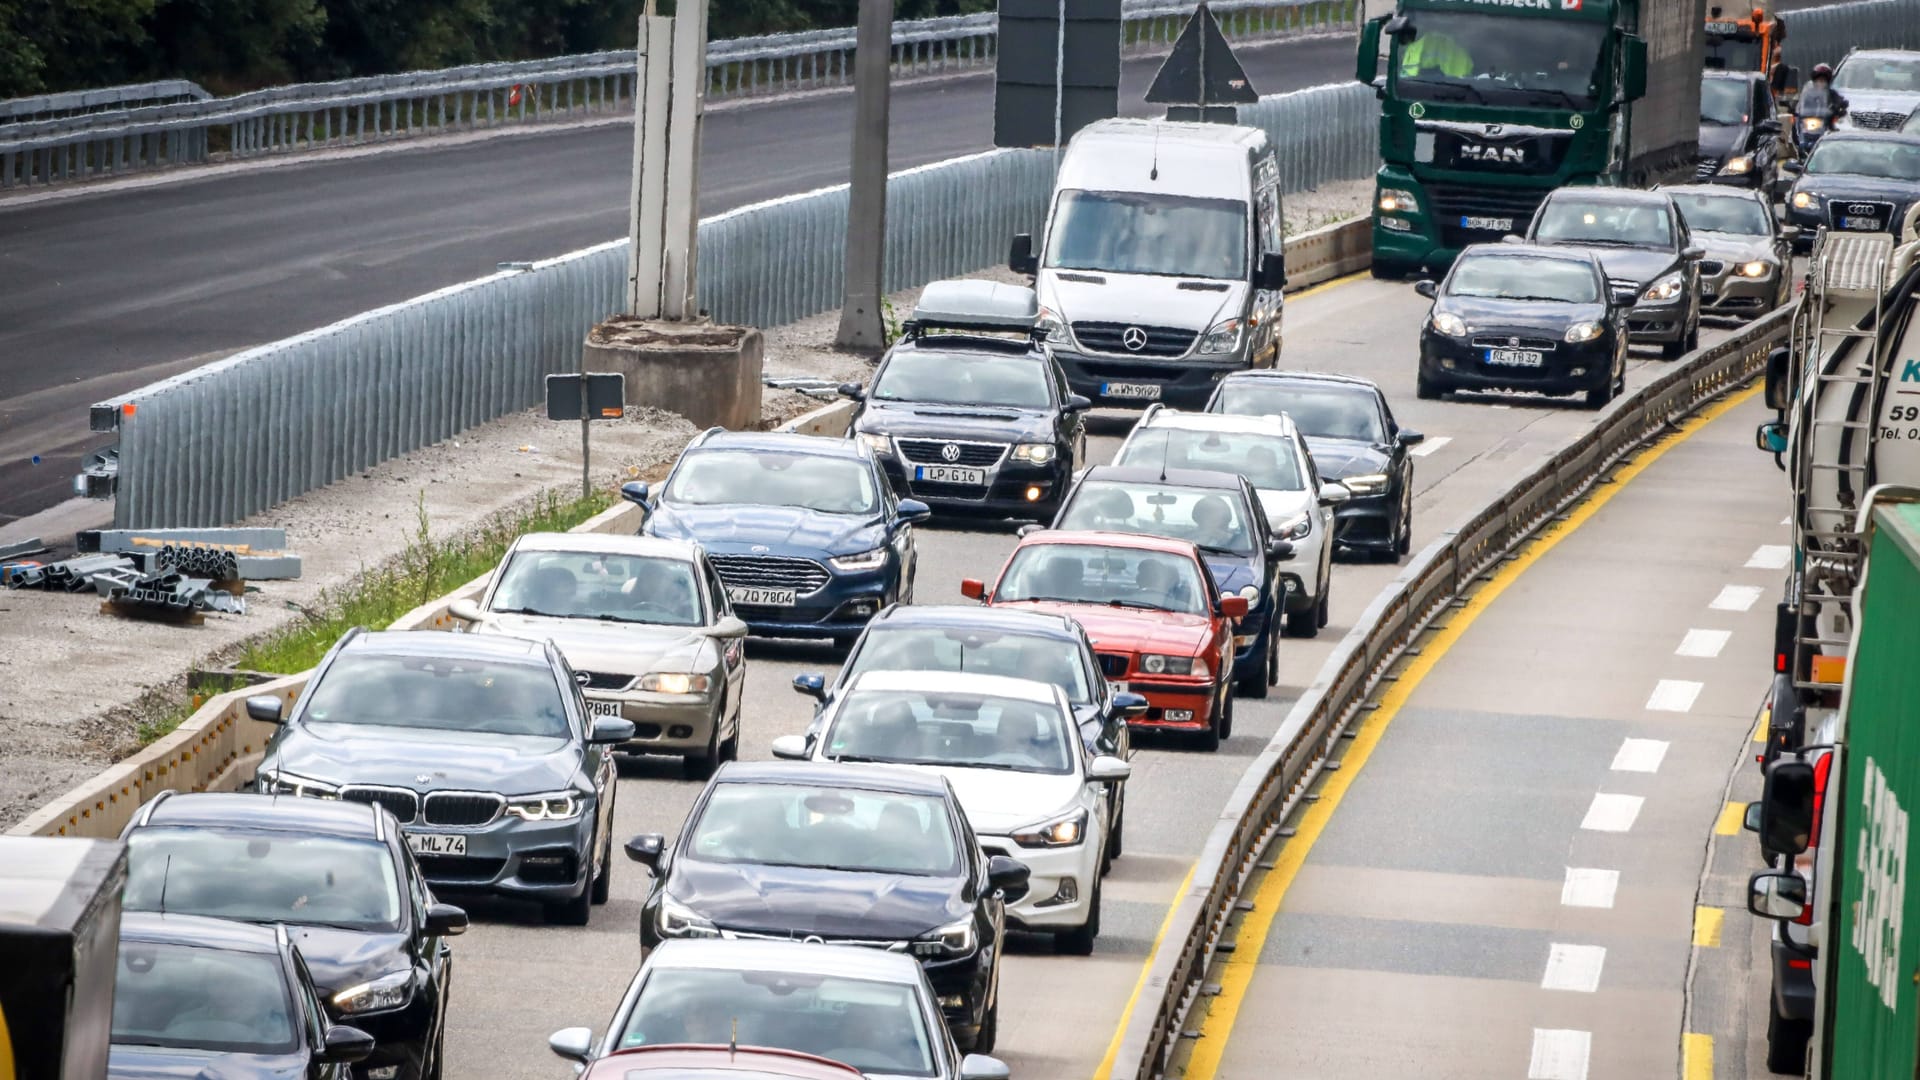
{"x":1820,"y":770}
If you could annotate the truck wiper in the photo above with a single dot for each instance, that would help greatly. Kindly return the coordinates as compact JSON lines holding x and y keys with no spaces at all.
{"x":1565,"y":98}
{"x":1465,"y":89}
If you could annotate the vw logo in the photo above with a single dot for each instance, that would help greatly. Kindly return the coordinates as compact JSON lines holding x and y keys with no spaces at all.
{"x":1863,"y":208}
{"x":950,"y":452}
{"x":761,"y":549}
{"x":1133,"y":338}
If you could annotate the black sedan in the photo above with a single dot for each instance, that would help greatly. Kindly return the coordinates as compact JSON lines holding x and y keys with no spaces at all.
{"x":1517,"y":317}
{"x":1644,"y":244}
{"x":848,"y":855}
{"x":338,"y":876}
{"x":1855,"y":182}
{"x":1739,"y":132}
{"x":1351,"y":433}
{"x":968,"y":422}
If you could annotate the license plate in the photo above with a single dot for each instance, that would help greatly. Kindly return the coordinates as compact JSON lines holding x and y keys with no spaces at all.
{"x":1861,"y":224}
{"x":608,"y":709}
{"x":754,"y":597}
{"x":436,"y":843}
{"x":949,"y":474}
{"x":1144,"y":391}
{"x":1487,"y":224}
{"x":1516,"y":357}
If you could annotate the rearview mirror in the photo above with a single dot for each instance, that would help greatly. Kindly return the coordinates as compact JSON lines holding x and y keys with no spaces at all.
{"x":345,"y":1046}
{"x":1625,"y":298}
{"x":1076,"y":403}
{"x":1786,"y":807}
{"x":1792,"y":168}
{"x":608,"y":731}
{"x":912,"y":510}
{"x":1779,"y":390}
{"x":1233,"y":607}
{"x":265,"y":708}
{"x":1129,"y":705}
{"x":1408,"y":437}
{"x":445,"y":920}
{"x":646,"y":849}
{"x":973,"y":589}
{"x":1750,"y":820}
{"x":1029,"y":529}
{"x":790,"y":748}
{"x":1273,"y":271}
{"x":574,"y":1043}
{"x":1771,"y":438}
{"x":1107,"y":770}
{"x":1366,"y":62}
{"x":1020,"y":258}
{"x":1333,"y":493}
{"x":1773,"y":894}
{"x":1789,"y":232}
{"x":812,"y":684}
{"x":1008,"y":876}
{"x":1427,"y":287}
{"x":1633,"y":67}
{"x":634,"y":491}
{"x":982,"y":1067}
{"x":466,"y":611}
{"x":851,"y":391}
{"x":1693,"y":254}
{"x":728,"y":627}
{"x":1279,"y":550}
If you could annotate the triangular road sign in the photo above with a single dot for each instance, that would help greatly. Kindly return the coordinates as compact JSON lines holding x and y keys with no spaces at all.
{"x":1202,"y":69}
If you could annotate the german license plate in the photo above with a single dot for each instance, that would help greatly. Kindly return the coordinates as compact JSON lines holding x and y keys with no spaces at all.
{"x":1861,"y":224}
{"x":949,"y":474}
{"x":436,"y":843}
{"x":756,"y":597}
{"x":1516,"y":357}
{"x":1135,"y":390}
{"x":1487,"y":224}
{"x":608,"y":709}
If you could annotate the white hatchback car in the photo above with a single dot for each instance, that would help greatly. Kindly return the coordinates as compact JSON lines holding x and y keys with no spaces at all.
{"x":1014,"y":756}
{"x":1270,"y":452}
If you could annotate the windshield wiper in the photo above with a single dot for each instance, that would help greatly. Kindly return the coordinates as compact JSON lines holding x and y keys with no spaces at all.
{"x":1565,"y":98}
{"x":1211,"y":550}
{"x":1465,"y":88}
{"x":1140,"y":605}
{"x":526,"y":611}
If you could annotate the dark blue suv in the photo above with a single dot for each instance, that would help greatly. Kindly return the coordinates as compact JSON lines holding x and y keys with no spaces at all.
{"x":804,"y":531}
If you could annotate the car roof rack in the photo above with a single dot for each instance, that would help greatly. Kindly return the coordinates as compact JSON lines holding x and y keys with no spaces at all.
{"x":981,"y":306}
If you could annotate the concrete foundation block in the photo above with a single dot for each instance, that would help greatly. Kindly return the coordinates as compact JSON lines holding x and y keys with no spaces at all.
{"x":706,"y":373}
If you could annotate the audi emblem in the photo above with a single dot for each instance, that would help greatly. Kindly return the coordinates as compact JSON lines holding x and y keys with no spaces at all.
{"x":1863,"y":208}
{"x":950,"y":452}
{"x":1133,"y":338}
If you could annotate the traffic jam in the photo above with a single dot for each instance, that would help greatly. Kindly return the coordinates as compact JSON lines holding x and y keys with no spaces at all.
{"x":839,"y":905}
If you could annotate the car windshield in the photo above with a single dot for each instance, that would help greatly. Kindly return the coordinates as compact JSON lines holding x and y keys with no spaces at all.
{"x":1268,"y":461}
{"x":981,"y":652}
{"x":841,"y":829}
{"x":439,"y":693}
{"x":827,"y":484}
{"x":589,"y":585}
{"x":1124,"y":232}
{"x":1725,"y":101}
{"x":1491,"y":59}
{"x":187,"y":997}
{"x":1616,"y":224}
{"x":1211,"y":518}
{"x":1524,"y":277}
{"x":950,"y":378}
{"x":960,"y":730}
{"x":1866,"y":157}
{"x":1736,"y":214}
{"x":263,"y":877}
{"x":1895,"y":74}
{"x":875,"y":1027}
{"x":1122,"y":577}
{"x":1319,"y":412}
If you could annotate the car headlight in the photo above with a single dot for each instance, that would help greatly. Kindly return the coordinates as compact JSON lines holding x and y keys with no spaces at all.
{"x":1804,"y":201}
{"x":1048,"y":321}
{"x":1449,"y":324}
{"x":1161,"y":664}
{"x":1398,"y":201}
{"x":1034,"y":453}
{"x":276,"y":782}
{"x":1369,"y":484}
{"x":1221,"y":337}
{"x":1064,"y":831}
{"x":675,"y":682}
{"x":879,"y":444}
{"x":554,"y":806}
{"x":677,"y":920}
{"x":1250,"y":593}
{"x":953,"y":939}
{"x":1294,"y":527}
{"x":1812,"y":123}
{"x":1666,"y":288}
{"x":1737,"y":166}
{"x":386,"y":992}
{"x":865,"y":560}
{"x":1758,"y":268}
{"x":1584,"y":331}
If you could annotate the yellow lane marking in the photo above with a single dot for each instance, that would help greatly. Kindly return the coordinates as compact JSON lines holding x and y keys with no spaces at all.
{"x":1216,"y":1028}
{"x":1166,"y":923}
{"x":1325,"y":285}
{"x":1706,"y":926}
{"x":1696,"y":1057}
{"x":1733,"y":818}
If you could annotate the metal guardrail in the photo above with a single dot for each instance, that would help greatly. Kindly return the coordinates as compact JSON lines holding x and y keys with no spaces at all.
{"x":74,"y":102}
{"x":213,"y":445}
{"x":380,"y":108}
{"x":1274,"y":782}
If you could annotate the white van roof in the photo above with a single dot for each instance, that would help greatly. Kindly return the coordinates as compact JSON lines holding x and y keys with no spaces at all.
{"x":1191,"y":159}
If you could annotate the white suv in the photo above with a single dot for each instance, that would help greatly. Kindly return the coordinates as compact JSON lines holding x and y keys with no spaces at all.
{"x":1270,"y":453}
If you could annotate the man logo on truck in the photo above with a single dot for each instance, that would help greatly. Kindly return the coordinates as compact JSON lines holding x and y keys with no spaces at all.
{"x":1500,"y":155}
{"x":1880,"y":858}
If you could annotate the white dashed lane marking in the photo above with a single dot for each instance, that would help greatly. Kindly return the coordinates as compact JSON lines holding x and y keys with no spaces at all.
{"x":1589,"y":888}
{"x":1612,"y":813}
{"x":1430,"y":444}
{"x":1769,"y":557}
{"x":1640,"y":755}
{"x":1673,"y":695}
{"x":1559,"y":1054}
{"x":1574,"y":967}
{"x":1736,"y":598}
{"x":1703,"y":643}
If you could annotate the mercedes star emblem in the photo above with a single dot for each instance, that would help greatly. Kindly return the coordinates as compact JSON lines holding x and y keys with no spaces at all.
{"x":1133,"y":338}
{"x":950,"y":452}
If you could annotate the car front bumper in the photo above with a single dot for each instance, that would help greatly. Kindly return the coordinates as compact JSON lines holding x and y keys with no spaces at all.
{"x":1184,"y":383}
{"x":1365,"y":521}
{"x":1005,"y":493}
{"x":1060,"y":888}
{"x":1174,"y":704}
{"x":399,"y":1036}
{"x":1458,"y":364}
{"x":840,"y":608}
{"x":1726,"y":292}
{"x":1659,"y":322}
{"x":531,"y":860}
{"x":662,"y":723}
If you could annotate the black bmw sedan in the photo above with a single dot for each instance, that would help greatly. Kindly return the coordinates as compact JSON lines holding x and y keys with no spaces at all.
{"x":1520,"y":317}
{"x":797,"y":851}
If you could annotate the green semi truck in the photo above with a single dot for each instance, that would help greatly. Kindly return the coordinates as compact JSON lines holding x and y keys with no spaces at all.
{"x":1488,"y":105}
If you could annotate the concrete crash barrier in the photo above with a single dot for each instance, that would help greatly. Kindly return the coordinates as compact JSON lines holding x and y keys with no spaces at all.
{"x":1329,"y":252}
{"x":832,"y":420}
{"x":710,"y":374}
{"x":1270,"y":789}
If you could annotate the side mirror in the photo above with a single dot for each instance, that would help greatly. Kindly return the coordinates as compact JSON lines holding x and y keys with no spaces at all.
{"x":1029,"y":529}
{"x":265,"y":708}
{"x":1693,"y":254}
{"x":345,"y":1046}
{"x":1366,"y":62}
{"x":1409,"y":437}
{"x":728,"y":628}
{"x":973,"y":589}
{"x":1792,"y":168}
{"x":1233,"y":607}
{"x":1633,"y":67}
{"x":1279,"y":550}
{"x":1771,"y":438}
{"x":1750,"y":821}
{"x":1273,"y":272}
{"x":1020,"y":258}
{"x":1333,"y":493}
{"x":791,"y":748}
{"x":1789,"y":232}
{"x":634,"y":491}
{"x":574,"y":1044}
{"x":467,"y":611}
{"x":445,"y":920}
{"x":1108,"y":770}
{"x":812,"y":684}
{"x":1625,"y":298}
{"x":911,"y":510}
{"x":1775,"y":894}
{"x":1427,"y":287}
{"x":1779,"y":392}
{"x":982,"y":1067}
{"x":1769,"y":126}
{"x":1008,"y":876}
{"x":1129,"y":705}
{"x":1076,"y":403}
{"x":1786,"y":807}
{"x":646,"y":849}
{"x":1514,"y":238}
{"x":610,"y":732}
{"x":852,"y":391}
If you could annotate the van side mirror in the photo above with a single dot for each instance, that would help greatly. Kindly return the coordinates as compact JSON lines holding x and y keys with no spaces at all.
{"x":1273,"y":271}
{"x":1427,"y":288}
{"x":1778,"y":895}
{"x":1020,"y":257}
{"x":1633,"y":67}
{"x":1366,"y":62}
{"x":1779,"y":389}
{"x":1786,"y":807}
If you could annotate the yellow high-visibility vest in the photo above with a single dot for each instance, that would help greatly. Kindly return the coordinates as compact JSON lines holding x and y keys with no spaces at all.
{"x":1436,"y":51}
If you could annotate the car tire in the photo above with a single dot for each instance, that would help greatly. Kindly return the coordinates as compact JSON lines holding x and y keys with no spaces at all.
{"x":1226,"y":718}
{"x":602,"y":888}
{"x":702,"y":766}
{"x":1322,"y":612}
{"x":1427,"y":389}
{"x":437,"y":1069}
{"x":575,"y":912}
{"x":1598,"y":397}
{"x":1079,"y":940}
{"x":1211,"y":735}
{"x":1786,"y":1043}
{"x":1254,"y":684}
{"x":1301,"y":624}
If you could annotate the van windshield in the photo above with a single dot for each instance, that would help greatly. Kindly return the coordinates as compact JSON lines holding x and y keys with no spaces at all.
{"x":1125,"y":232}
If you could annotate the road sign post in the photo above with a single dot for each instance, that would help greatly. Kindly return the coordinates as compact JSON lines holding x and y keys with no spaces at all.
{"x":860,"y":324}
{"x":586,"y":398}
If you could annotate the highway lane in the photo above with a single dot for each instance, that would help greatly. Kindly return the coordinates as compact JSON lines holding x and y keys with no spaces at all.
{"x":1059,"y":1013}
{"x":102,"y":293}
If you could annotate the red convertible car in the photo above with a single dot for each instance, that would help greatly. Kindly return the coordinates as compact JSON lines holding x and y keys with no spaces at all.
{"x":1158,"y":625}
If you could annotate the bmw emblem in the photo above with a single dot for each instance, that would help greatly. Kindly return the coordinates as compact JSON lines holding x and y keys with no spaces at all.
{"x":423,"y":778}
{"x":1133,"y":338}
{"x":761,"y":549}
{"x":950,"y":452}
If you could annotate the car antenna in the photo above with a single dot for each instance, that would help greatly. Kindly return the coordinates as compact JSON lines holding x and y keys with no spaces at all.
{"x":1154,"y":173}
{"x":165,"y":869}
{"x":1166,"y":449}
{"x":733,"y":1039}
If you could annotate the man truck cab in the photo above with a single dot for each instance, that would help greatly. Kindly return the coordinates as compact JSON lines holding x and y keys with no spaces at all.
{"x":1161,"y":266}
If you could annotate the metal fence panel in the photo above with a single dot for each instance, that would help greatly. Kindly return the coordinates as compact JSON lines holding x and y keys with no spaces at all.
{"x":1826,"y":34}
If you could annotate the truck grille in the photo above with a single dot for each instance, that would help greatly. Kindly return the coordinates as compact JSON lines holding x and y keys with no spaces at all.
{"x":1877,"y":121}
{"x":467,"y":808}
{"x":1110,"y":337}
{"x":1451,"y":202}
{"x":402,"y":804}
{"x":975,"y":455}
{"x":770,"y":572}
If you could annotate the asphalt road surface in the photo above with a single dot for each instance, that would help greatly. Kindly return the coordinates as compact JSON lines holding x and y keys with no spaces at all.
{"x":1059,"y":1013}
{"x":105,"y":293}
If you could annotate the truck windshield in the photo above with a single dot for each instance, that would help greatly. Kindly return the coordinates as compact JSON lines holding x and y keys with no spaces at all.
{"x":1489,"y":59}
{"x":1736,"y":49}
{"x":1724,"y":101}
{"x":1125,"y":232}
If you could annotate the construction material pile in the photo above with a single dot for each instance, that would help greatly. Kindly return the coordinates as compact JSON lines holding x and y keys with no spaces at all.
{"x":168,"y":574}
